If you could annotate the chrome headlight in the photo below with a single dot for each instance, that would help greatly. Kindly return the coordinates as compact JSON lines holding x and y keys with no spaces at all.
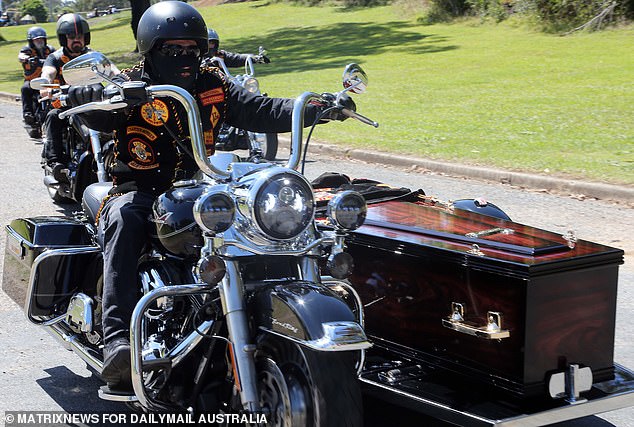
{"x":282,"y":204}
{"x":215,"y":211}
{"x":251,"y":85}
{"x":347,"y":210}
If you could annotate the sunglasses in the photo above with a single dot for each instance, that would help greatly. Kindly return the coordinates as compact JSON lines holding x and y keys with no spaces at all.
{"x":74,"y":36}
{"x":178,"y":50}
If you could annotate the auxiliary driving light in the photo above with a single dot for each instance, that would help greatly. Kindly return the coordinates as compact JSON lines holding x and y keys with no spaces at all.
{"x":347,"y":210}
{"x":215,"y":211}
{"x":340,"y":265}
{"x":211,"y":269}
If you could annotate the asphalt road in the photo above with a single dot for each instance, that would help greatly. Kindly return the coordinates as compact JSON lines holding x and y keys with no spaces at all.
{"x":36,"y":374}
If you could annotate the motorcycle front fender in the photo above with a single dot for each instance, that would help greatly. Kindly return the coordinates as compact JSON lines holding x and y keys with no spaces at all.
{"x":308,"y":314}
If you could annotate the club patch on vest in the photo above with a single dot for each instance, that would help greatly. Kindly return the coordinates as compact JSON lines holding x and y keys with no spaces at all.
{"x":209,"y":140}
{"x":215,"y":116}
{"x":141,"y":152}
{"x":213,"y":96}
{"x":141,"y":131}
{"x":155,"y":113}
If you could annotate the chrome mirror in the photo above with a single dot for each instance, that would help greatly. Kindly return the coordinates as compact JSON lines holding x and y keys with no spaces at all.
{"x":89,"y":68}
{"x":38,"y":83}
{"x":354,"y":78}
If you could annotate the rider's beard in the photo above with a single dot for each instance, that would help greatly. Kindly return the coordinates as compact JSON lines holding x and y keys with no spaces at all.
{"x":39,"y":46}
{"x":76,"y":47}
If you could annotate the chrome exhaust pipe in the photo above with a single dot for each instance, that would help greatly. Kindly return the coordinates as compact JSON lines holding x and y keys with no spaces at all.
{"x":70,"y":341}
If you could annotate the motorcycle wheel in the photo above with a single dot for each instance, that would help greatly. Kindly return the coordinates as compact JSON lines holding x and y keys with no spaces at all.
{"x":301,"y":387}
{"x":268,"y":144}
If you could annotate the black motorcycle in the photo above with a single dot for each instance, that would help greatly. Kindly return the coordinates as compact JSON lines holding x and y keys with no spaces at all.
{"x":90,"y":152}
{"x":234,"y":316}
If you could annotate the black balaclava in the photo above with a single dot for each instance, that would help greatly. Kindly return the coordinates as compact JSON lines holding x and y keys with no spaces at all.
{"x":168,"y":69}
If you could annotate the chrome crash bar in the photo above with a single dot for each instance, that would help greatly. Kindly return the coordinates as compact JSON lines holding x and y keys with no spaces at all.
{"x":177,"y":353}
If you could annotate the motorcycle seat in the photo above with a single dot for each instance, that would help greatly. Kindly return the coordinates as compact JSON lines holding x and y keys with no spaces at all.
{"x":93,"y":196}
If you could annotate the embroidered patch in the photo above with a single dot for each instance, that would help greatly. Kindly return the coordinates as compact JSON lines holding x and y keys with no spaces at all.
{"x":155,"y":113}
{"x":209,"y":138}
{"x":215,"y":116}
{"x":213,"y":96}
{"x":135,"y":165}
{"x":141,"y":131}
{"x":141,"y":151}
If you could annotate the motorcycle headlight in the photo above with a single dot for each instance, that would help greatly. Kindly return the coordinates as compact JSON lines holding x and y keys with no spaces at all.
{"x":251,"y":85}
{"x":215,"y":211}
{"x":347,"y":210}
{"x":283,"y":206}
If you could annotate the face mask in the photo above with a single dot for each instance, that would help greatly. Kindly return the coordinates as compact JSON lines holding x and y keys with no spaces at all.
{"x":39,"y":43}
{"x":178,"y":70}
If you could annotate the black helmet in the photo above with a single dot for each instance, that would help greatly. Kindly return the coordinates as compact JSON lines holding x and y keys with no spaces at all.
{"x":212,"y":36}
{"x":171,"y":20}
{"x":35,"y":33}
{"x":72,"y":23}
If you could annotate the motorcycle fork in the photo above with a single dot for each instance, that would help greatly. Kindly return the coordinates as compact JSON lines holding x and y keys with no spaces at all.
{"x":95,"y":143}
{"x":233,"y":306}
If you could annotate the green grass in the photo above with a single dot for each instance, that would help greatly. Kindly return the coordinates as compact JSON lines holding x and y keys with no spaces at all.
{"x":494,"y":95}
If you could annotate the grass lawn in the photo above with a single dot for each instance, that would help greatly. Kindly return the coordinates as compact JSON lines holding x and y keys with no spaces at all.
{"x":496,"y":95}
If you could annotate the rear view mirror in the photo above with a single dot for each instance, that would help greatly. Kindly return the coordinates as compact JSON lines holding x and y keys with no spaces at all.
{"x":89,"y":68}
{"x":37,"y":84}
{"x":354,"y":78}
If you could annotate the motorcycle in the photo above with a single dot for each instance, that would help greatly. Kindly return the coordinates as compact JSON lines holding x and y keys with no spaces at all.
{"x":40,"y":107}
{"x":262,"y":145}
{"x":90,"y":152}
{"x":233,"y":316}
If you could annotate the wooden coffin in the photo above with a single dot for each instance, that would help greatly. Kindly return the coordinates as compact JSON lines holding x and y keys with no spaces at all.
{"x":500,"y":302}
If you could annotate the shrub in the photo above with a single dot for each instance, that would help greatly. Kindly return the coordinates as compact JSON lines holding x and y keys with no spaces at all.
{"x":36,"y":8}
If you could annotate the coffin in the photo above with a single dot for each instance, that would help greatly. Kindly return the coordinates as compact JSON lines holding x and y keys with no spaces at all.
{"x":494,"y":301}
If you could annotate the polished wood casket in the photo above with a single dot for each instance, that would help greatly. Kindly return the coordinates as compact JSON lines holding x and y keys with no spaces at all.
{"x":494,"y":301}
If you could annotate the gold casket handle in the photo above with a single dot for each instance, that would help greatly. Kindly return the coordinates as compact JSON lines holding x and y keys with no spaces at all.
{"x":491,"y":331}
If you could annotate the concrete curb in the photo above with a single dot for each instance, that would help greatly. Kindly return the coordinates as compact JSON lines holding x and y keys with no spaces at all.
{"x":595,"y":190}
{"x":9,"y":97}
{"x":581,"y":189}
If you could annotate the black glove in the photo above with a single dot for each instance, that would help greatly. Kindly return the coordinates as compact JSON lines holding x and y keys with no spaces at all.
{"x":344,"y":102}
{"x":33,"y":61}
{"x":79,"y":95}
{"x":261,"y":59}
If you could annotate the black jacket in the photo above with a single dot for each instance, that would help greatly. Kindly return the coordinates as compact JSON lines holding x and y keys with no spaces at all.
{"x":147,"y":156}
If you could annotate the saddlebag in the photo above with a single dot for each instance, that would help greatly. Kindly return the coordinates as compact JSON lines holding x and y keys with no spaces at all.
{"x":46,"y":260}
{"x":500,"y":303}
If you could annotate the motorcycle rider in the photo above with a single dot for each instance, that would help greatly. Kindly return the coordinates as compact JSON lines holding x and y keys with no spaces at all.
{"x":151,"y":152}
{"x":73,"y":33}
{"x":32,"y":58}
{"x":231,"y":59}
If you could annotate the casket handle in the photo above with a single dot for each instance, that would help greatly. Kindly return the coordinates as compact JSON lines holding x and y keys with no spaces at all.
{"x":491,"y":331}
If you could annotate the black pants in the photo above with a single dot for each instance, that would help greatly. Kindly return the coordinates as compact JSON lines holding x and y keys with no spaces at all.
{"x":125,"y":227}
{"x":29,"y":98}
{"x":54,"y":148}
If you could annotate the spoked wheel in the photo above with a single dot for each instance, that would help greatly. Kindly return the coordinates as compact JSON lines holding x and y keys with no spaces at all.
{"x":301,"y":387}
{"x":267,"y":142}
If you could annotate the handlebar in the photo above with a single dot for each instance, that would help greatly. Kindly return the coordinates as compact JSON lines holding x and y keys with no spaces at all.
{"x":180,"y":95}
{"x":194,"y":121}
{"x":297,"y":128}
{"x":360,"y":117}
